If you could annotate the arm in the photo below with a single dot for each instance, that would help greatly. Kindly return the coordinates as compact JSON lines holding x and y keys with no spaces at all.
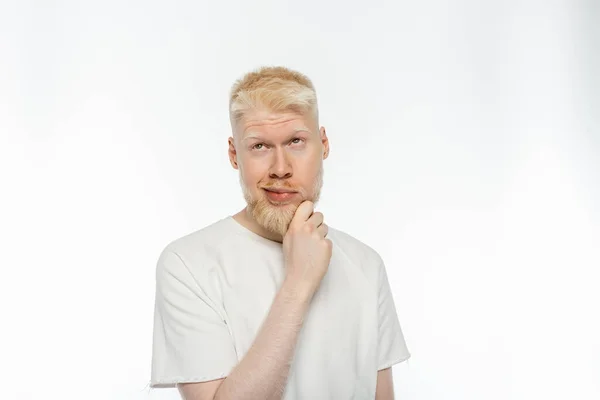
{"x":385,"y":385}
{"x":262,"y":372}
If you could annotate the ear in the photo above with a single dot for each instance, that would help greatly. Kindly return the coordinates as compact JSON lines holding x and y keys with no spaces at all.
{"x":325,"y":142}
{"x":232,"y":153}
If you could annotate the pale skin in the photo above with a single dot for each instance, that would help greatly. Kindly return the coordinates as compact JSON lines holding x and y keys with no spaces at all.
{"x":286,"y":146}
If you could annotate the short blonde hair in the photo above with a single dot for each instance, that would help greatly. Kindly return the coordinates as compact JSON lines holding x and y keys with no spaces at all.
{"x":276,"y":89}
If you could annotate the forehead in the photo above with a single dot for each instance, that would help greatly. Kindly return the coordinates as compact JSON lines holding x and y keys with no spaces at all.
{"x":261,"y":123}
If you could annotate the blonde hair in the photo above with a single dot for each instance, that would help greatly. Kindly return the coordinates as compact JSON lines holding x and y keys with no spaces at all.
{"x":276,"y":89}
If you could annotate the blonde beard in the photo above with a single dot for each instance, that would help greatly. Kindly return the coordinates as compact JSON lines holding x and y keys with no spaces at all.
{"x":277,"y":219}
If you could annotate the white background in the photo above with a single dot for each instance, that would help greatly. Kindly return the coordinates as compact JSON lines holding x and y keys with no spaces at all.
{"x":465,"y":148}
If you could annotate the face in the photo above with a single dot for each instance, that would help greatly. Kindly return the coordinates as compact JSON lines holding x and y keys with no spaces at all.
{"x":280,"y":159}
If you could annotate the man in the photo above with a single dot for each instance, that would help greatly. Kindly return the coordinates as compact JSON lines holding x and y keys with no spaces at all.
{"x":271,"y":303}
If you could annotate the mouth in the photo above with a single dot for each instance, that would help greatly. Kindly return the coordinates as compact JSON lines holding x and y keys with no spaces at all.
{"x":275,"y":190}
{"x":280,"y":195}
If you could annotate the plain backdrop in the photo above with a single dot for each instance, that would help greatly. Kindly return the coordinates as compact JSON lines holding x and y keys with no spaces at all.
{"x":465,"y":148}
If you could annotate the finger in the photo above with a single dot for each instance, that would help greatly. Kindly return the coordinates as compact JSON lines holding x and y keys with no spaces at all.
{"x":316,"y":219}
{"x":323,"y":230}
{"x":303,"y":212}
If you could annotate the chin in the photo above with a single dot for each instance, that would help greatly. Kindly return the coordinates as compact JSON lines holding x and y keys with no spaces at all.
{"x":275,"y":218}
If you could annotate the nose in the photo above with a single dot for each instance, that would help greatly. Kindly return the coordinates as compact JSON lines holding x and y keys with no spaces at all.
{"x":281,"y":167}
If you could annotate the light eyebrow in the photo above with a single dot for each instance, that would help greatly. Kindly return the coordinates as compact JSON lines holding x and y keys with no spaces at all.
{"x":256,"y":135}
{"x":251,"y":135}
{"x":302,"y":129}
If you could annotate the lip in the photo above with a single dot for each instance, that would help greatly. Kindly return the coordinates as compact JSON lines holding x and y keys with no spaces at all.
{"x":274,"y":190}
{"x":280,"y":196}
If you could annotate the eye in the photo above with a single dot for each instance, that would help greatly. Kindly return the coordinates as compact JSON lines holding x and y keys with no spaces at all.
{"x":258,"y":146}
{"x":296,"y":141}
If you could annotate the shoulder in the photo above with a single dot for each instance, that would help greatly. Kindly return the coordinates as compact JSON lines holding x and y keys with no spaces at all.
{"x":354,"y":249}
{"x":211,"y":236}
{"x":197,"y":247}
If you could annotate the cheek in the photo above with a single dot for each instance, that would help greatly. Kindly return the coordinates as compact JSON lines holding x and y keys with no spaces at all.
{"x":252,"y":173}
{"x":308,"y":174}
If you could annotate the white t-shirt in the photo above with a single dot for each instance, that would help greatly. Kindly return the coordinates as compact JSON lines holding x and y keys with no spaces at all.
{"x":215,"y":286}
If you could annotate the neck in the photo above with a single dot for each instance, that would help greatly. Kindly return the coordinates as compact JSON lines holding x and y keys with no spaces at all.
{"x":244,"y":217}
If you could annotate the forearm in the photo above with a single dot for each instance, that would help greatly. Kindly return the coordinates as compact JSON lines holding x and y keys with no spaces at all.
{"x":263,"y":371}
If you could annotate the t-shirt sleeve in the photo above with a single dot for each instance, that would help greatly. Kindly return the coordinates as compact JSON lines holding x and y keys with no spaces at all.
{"x":392,"y":347}
{"x":191,"y":341}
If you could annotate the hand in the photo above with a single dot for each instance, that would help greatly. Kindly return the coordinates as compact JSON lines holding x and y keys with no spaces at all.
{"x":306,"y":251}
